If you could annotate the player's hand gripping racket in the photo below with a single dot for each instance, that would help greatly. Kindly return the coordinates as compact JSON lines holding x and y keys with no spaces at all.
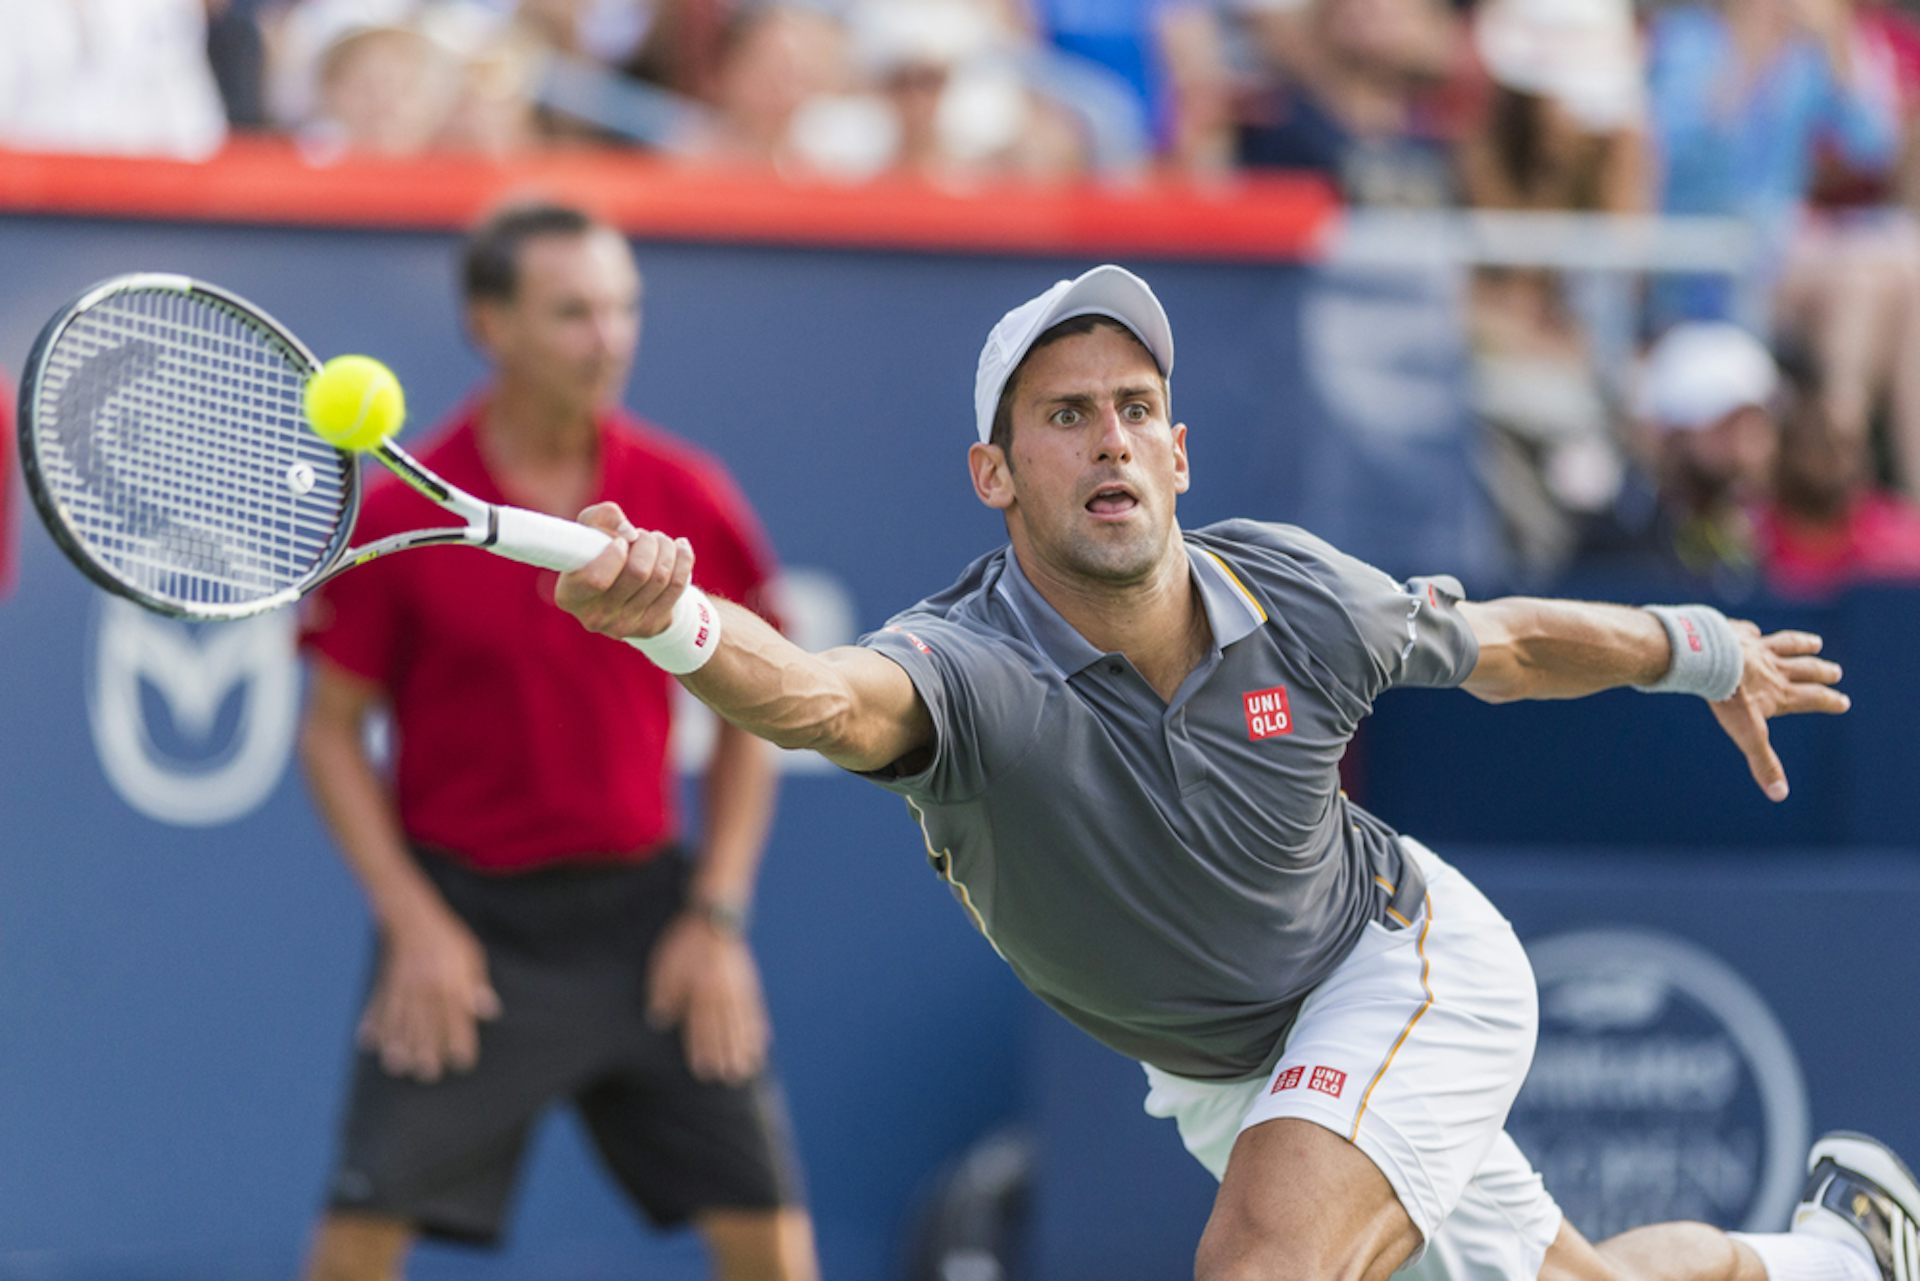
{"x":166,"y":447}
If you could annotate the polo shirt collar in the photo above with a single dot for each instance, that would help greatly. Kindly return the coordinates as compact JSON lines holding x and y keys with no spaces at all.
{"x":1232,"y":611}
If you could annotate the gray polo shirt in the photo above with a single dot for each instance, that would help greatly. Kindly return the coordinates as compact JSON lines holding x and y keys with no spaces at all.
{"x":1172,"y":877}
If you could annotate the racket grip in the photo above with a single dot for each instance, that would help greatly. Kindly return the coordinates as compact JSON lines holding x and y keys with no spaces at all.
{"x":535,"y":538}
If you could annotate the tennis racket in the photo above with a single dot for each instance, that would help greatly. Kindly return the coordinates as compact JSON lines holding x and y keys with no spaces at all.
{"x":165,"y":446}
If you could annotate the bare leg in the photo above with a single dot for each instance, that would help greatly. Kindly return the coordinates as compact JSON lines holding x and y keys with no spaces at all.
{"x":359,"y":1247}
{"x":1663,"y":1252}
{"x":760,"y":1245}
{"x":1300,"y":1201}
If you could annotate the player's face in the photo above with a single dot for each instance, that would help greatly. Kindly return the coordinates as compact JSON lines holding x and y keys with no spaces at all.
{"x":569,"y":333}
{"x":1095,"y":462}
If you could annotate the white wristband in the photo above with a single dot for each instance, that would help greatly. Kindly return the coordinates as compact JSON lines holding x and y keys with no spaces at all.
{"x":690,"y":639}
{"x":1707,"y":659}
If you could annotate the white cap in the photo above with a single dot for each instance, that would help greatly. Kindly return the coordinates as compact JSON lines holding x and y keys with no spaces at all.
{"x":1701,"y":371}
{"x":1107,"y":290}
{"x":1584,"y":53}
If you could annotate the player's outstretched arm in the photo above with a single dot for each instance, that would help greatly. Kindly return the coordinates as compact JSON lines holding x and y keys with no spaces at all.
{"x":1531,"y":648}
{"x":853,"y":706}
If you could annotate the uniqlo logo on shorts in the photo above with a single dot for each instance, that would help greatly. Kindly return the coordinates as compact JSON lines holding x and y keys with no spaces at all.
{"x":1287,"y":1080}
{"x":1267,"y":713}
{"x":1328,"y":1081}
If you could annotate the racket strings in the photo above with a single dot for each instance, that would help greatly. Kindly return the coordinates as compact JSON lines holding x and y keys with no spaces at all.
{"x":171,"y":435}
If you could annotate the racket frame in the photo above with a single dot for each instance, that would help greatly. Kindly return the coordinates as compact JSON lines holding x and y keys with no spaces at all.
{"x":526,"y":536}
{"x":55,"y":518}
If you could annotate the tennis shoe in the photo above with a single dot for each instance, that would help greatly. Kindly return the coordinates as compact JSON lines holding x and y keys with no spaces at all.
{"x":1860,"y":1193}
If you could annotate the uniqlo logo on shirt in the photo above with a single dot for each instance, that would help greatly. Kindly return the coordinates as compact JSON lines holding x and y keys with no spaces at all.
{"x":917,"y":642}
{"x":1287,"y":1080}
{"x":1267,"y":713}
{"x":1328,"y":1081}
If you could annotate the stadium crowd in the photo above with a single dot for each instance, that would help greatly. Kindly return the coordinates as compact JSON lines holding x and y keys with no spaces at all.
{"x":1790,"y":465}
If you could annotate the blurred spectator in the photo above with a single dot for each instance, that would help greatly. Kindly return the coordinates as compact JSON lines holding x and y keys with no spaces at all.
{"x":681,"y":49}
{"x":1852,"y":284}
{"x":784,"y":97}
{"x":1564,"y":127}
{"x":1741,"y":92}
{"x":959,"y":103}
{"x":126,"y":77}
{"x":1365,"y":103}
{"x":1829,"y":524}
{"x":394,"y":78}
{"x":1119,"y":35}
{"x":1560,"y":132}
{"x":1706,"y":445}
{"x":237,"y":56}
{"x":384,"y":91}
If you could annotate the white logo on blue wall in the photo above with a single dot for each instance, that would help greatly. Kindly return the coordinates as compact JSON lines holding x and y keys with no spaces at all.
{"x":193,"y":724}
{"x":1663,"y":1087}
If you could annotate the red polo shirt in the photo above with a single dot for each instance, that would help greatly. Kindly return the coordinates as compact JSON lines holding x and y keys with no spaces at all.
{"x":521,"y":739}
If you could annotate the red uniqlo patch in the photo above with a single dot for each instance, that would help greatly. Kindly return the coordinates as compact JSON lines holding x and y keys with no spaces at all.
{"x":1286,"y":1080}
{"x":1693,"y":634}
{"x":1267,"y":713}
{"x":1328,"y":1081}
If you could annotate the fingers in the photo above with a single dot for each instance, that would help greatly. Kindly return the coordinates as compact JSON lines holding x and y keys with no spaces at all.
{"x":607,"y":518}
{"x":1810,"y":671}
{"x":1748,"y":730}
{"x":1791,"y":643}
{"x":629,"y":589}
{"x":1813,"y":698}
{"x":726,"y":1034}
{"x":668,"y":987}
{"x":423,"y":1034}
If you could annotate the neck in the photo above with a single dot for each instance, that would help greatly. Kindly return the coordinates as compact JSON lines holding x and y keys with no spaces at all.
{"x":1157,"y":621}
{"x":518,"y":427}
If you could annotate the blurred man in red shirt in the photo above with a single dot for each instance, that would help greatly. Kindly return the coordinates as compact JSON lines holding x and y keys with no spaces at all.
{"x":542,"y":938}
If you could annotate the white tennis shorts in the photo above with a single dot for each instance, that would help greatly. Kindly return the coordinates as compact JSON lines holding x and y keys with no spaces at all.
{"x":1413,"y":1050}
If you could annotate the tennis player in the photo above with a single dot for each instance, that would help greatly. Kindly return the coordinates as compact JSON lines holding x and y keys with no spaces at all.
{"x":545,"y":939}
{"x":1121,"y":742}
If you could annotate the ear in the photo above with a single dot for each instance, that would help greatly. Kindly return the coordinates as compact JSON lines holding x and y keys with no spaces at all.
{"x":992,"y":475}
{"x":484,"y":321}
{"x":1181,"y":477}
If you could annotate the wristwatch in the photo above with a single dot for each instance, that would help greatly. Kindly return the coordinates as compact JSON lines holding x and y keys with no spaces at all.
{"x":728,"y":918}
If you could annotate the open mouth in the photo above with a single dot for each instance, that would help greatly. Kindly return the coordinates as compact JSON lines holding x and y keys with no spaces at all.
{"x":1112,"y":500}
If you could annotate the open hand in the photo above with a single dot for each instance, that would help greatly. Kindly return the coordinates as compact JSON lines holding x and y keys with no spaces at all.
{"x":1782,"y":675}
{"x":704,"y":979}
{"x":432,"y":991}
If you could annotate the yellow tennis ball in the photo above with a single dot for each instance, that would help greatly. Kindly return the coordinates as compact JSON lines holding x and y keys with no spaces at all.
{"x":354,"y":402}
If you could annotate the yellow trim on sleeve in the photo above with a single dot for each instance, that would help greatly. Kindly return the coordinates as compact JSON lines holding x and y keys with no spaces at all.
{"x":1258,"y":608}
{"x":1383,"y":883}
{"x":1420,"y":946}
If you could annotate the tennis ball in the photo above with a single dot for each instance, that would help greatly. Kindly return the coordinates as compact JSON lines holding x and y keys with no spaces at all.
{"x":354,"y":402}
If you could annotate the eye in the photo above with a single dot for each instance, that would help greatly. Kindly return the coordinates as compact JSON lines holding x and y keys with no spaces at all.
{"x":1067,"y":416}
{"x":1137,"y":412}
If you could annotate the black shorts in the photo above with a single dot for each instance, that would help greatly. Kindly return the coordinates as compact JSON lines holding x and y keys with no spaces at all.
{"x":567,"y":951}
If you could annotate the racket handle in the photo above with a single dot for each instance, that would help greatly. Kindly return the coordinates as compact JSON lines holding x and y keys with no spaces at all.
{"x":535,"y":538}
